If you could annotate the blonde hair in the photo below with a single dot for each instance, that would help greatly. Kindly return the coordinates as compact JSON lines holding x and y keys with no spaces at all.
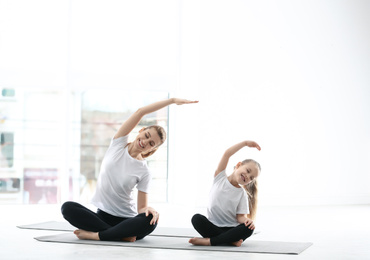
{"x":162,"y":135}
{"x":252,"y":191}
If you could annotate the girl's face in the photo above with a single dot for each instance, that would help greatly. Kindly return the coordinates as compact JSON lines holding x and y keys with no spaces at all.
{"x":246,"y":173}
{"x":147,"y":140}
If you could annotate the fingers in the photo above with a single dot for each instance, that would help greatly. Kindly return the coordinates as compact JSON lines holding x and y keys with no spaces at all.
{"x":253,"y":144}
{"x":188,"y":102}
{"x":155,"y":218}
{"x":249,"y":223}
{"x":185,"y":101}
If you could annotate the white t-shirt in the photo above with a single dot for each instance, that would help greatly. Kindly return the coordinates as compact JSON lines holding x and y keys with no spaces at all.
{"x":225,"y":201}
{"x":119,"y":174}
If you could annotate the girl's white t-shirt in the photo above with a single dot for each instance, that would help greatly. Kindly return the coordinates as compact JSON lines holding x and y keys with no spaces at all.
{"x":119,"y":174}
{"x":225,"y":201}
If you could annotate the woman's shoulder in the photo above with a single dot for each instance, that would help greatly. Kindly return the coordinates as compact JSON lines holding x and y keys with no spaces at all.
{"x":116,"y":148}
{"x":123,"y":140}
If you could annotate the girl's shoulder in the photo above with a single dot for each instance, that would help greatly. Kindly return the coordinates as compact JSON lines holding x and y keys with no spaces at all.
{"x":220,"y":176}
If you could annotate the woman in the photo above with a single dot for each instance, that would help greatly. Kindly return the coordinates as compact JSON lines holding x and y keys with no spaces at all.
{"x":123,"y":167}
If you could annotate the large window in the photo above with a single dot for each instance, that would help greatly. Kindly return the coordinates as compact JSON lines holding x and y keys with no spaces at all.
{"x":53,"y":142}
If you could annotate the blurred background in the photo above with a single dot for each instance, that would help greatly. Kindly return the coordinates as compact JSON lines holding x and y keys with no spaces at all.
{"x":290,"y":75}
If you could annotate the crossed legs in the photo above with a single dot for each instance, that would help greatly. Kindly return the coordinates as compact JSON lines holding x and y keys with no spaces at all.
{"x":214,"y":235}
{"x":103,"y":226}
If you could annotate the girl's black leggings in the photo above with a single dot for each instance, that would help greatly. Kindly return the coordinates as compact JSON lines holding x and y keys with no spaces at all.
{"x":110,"y":228}
{"x":219,"y":235}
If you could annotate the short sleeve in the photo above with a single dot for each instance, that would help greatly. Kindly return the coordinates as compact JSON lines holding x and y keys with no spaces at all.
{"x":119,"y":142}
{"x":144,"y":183}
{"x":219,"y":176}
{"x":243,"y":207}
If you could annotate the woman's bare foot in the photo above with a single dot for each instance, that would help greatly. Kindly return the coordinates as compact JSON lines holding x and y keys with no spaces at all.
{"x":200,"y":241}
{"x":86,"y":235}
{"x":237,"y":243}
{"x":129,"y":239}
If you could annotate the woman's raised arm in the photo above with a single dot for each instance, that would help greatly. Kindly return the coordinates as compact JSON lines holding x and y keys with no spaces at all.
{"x":135,"y":118}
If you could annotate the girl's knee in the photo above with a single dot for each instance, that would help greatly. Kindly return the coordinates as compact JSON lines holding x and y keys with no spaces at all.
{"x":196,"y":219}
{"x":247,"y":232}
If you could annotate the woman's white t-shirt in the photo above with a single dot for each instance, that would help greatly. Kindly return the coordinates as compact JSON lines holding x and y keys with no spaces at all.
{"x":225,"y":201}
{"x":119,"y":174}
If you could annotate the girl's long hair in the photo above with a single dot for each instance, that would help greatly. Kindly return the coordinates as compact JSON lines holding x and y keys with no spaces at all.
{"x":252,"y":191}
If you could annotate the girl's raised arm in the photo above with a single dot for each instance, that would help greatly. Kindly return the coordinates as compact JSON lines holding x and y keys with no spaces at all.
{"x":232,"y":150}
{"x":135,"y":118}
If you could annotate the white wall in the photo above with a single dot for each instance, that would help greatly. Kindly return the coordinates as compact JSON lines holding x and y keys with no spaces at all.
{"x":292,"y":75}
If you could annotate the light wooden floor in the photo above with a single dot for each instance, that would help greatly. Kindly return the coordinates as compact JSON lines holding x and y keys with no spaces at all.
{"x":338,"y":232}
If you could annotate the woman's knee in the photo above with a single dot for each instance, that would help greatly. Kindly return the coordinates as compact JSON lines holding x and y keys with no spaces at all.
{"x":67,"y":207}
{"x":147,"y":218}
{"x":147,"y":227}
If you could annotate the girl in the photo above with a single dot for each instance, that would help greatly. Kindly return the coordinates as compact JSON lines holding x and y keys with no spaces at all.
{"x":230,"y":218}
{"x":123,"y":167}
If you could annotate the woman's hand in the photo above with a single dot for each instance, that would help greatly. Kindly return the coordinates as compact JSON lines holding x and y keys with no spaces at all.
{"x":252,"y":144}
{"x":150,"y":210}
{"x":179,"y":101}
{"x":249,"y":223}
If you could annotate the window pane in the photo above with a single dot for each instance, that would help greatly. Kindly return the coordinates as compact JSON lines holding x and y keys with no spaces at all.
{"x":53,"y":142}
{"x":102,"y":114}
{"x":31,"y":138}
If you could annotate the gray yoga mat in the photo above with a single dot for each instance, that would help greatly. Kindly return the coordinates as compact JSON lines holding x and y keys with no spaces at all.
{"x":50,"y":225}
{"x":181,"y":243}
{"x":159,"y":231}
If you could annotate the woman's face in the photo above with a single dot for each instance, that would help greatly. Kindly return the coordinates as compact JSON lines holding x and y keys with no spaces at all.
{"x":147,"y":140}
{"x":246,"y":173}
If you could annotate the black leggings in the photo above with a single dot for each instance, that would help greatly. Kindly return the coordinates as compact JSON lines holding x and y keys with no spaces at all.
{"x":219,"y":235}
{"x":110,"y":228}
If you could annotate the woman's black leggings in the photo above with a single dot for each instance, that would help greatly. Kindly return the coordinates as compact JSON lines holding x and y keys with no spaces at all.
{"x":110,"y":228}
{"x":219,"y":235}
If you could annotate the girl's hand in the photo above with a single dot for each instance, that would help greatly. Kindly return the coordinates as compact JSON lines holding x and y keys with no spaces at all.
{"x":249,"y":223}
{"x":155,"y":214}
{"x":179,"y":101}
{"x":252,"y":144}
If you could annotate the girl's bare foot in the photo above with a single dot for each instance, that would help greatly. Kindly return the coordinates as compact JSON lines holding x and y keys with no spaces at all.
{"x":83,"y":234}
{"x":200,"y":241}
{"x":237,"y":243}
{"x":129,"y":239}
